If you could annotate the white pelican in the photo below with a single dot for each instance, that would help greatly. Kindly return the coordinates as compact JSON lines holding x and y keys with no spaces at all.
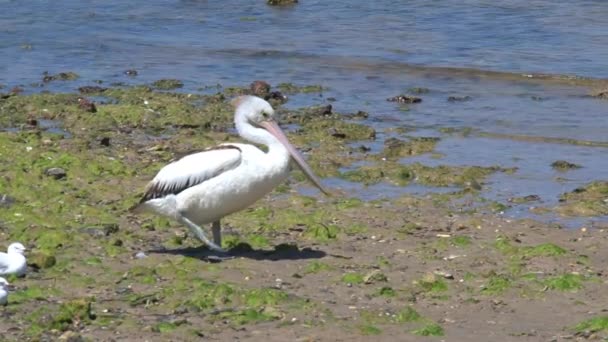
{"x":203,"y":187}
{"x":3,"y":291}
{"x":13,"y":261}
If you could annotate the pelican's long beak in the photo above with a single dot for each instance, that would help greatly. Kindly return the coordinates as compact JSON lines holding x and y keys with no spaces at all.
{"x":274,"y":129}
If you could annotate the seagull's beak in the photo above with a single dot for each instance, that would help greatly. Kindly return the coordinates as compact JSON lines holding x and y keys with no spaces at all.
{"x":274,"y":129}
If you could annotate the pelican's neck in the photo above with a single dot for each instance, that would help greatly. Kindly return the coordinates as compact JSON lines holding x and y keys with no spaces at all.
{"x":257,"y":135}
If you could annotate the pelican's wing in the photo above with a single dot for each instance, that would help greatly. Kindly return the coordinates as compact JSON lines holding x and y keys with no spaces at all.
{"x":191,"y":170}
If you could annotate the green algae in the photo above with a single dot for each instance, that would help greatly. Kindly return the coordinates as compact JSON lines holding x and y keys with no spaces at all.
{"x":386,"y":291}
{"x":589,"y":200}
{"x":563,"y":165}
{"x":353,"y":278}
{"x":595,"y":324}
{"x":442,"y":176}
{"x":317,"y":267}
{"x":496,"y":284}
{"x":432,"y":284}
{"x":290,"y":88}
{"x":168,"y":84}
{"x":369,"y":329}
{"x":432,"y":329}
{"x":566,"y":282}
{"x":396,"y":148}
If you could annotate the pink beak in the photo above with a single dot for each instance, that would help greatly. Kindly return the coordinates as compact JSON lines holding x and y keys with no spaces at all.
{"x":275,"y":130}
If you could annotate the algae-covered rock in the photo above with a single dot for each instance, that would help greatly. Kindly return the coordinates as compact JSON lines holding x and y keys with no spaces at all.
{"x":589,"y":200}
{"x":41,"y":260}
{"x":168,"y":84}
{"x":281,"y":2}
{"x":562,"y":165}
{"x":394,"y":147}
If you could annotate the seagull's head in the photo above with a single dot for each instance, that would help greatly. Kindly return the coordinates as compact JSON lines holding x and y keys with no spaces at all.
{"x":16,"y":247}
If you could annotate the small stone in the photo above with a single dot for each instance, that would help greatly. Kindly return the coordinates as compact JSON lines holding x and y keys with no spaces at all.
{"x":276,"y":96}
{"x":31,"y":122}
{"x":56,"y":172}
{"x":140,"y":255}
{"x":444,"y":274}
{"x":104,"y":141}
{"x":374,"y":277}
{"x":404,"y":99}
{"x":86,"y":105}
{"x":6,"y":201}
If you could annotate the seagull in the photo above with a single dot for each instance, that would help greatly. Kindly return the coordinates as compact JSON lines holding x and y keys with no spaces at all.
{"x":13,"y":261}
{"x":3,"y":291}
{"x":204,"y":187}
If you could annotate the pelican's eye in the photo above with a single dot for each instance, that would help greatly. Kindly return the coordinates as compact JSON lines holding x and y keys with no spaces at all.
{"x":265,"y":115}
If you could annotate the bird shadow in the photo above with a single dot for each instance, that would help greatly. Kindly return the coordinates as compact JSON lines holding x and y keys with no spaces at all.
{"x":243,"y":250}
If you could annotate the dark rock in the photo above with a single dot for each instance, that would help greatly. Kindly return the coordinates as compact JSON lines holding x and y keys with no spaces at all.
{"x":56,"y":172}
{"x":276,"y":96}
{"x":91,"y":89}
{"x":281,"y":2}
{"x":131,"y":72}
{"x":364,"y":148}
{"x":32,"y":122}
{"x":6,"y":201}
{"x":404,"y":99}
{"x":336,"y":134}
{"x":103,"y":230}
{"x":86,"y":105}
{"x":62,"y":76}
{"x":459,"y":98}
{"x":260,"y":88}
{"x":104,"y":141}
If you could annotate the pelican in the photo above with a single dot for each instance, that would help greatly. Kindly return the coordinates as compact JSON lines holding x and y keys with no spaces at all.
{"x":204,"y":187}
{"x":13,"y":261}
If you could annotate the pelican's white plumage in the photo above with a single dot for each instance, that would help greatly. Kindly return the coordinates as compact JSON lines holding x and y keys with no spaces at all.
{"x":13,"y":261}
{"x":3,"y":291}
{"x":204,"y":187}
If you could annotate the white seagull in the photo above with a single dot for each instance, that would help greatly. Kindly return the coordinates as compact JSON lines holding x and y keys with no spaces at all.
{"x":3,"y":291}
{"x":13,"y":261}
{"x":203,"y":187}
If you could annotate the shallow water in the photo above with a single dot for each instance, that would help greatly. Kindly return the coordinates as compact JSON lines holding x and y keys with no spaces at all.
{"x":363,"y":52}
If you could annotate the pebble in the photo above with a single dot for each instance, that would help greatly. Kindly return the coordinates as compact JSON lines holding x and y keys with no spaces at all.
{"x":140,"y":255}
{"x":56,"y":172}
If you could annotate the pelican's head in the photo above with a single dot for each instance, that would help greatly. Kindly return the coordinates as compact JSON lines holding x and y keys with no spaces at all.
{"x":254,"y":111}
{"x":16,"y":247}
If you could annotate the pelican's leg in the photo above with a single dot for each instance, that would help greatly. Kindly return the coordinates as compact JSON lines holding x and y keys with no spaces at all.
{"x":199,"y":233}
{"x":216,"y":229}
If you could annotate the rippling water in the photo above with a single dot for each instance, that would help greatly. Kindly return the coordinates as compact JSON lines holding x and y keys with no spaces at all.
{"x":364,"y":52}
